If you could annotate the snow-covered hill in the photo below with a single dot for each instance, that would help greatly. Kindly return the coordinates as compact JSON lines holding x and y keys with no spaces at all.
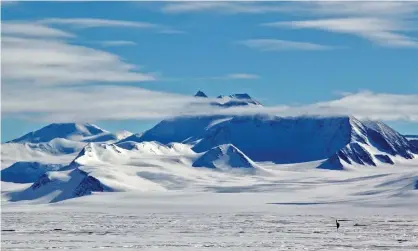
{"x":26,"y":158}
{"x":224,"y":157}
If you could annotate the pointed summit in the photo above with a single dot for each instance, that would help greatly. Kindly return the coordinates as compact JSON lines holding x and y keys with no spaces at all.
{"x":224,"y":156}
{"x":200,"y":94}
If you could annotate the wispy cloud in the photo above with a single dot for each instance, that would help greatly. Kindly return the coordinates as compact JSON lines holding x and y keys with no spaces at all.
{"x":87,"y":23}
{"x":312,"y":8}
{"x":360,"y":8}
{"x":381,"y":31}
{"x":117,"y":43}
{"x":222,"y":7}
{"x":97,"y":22}
{"x":31,"y":30}
{"x":385,"y":23}
{"x":241,"y":76}
{"x":120,"y":103}
{"x":37,"y":57}
{"x":281,"y":45}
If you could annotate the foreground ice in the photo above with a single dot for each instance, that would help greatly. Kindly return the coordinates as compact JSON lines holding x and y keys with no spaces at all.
{"x":208,"y":221}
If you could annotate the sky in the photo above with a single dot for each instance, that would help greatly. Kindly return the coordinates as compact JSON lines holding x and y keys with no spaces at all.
{"x":127,"y":65}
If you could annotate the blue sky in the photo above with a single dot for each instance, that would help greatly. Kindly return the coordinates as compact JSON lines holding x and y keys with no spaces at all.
{"x":75,"y":55}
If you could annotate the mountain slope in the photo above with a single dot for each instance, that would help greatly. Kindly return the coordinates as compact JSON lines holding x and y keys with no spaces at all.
{"x":224,"y":157}
{"x":27,"y":172}
{"x":182,"y":130}
{"x":70,"y":131}
{"x":234,"y":100}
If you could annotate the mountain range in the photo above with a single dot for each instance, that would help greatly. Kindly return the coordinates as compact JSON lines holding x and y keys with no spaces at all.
{"x":67,"y":160}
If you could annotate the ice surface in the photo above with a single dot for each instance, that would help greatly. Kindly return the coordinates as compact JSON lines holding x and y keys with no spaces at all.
{"x":205,"y":221}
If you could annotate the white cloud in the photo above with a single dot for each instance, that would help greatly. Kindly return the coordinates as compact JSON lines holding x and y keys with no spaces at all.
{"x":361,"y":8}
{"x":381,"y":31}
{"x":316,"y":8}
{"x":230,"y":76}
{"x":241,"y":76}
{"x":96,"y":22}
{"x":85,"y":23}
{"x":378,"y":106}
{"x":94,"y":103}
{"x":31,"y":30}
{"x":385,"y":23}
{"x":51,"y":62}
{"x":280,"y":45}
{"x":223,"y":7}
{"x":37,"y":56}
{"x":117,"y":43}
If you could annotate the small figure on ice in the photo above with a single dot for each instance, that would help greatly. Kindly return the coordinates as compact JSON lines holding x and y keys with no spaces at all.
{"x":338,"y":224}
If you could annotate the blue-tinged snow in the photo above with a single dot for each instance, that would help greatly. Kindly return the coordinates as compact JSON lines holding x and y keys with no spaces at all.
{"x":70,"y":131}
{"x":27,"y":172}
{"x":184,"y":130}
{"x":224,"y":157}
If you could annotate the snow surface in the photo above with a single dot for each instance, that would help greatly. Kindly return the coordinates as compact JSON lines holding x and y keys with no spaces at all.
{"x":210,"y":221}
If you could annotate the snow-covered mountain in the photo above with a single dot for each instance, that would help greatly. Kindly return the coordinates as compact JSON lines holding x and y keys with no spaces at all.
{"x":28,"y":157}
{"x":27,"y":172}
{"x":69,"y":160}
{"x":69,"y":131}
{"x":241,"y":99}
{"x":57,"y":186}
{"x":224,"y":157}
{"x":61,"y":138}
{"x":200,"y":94}
{"x":289,"y":140}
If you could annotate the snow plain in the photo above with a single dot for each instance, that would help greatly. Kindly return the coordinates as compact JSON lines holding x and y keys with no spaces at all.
{"x":292,"y":208}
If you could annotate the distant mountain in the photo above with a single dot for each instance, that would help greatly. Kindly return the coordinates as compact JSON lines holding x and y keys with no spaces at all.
{"x":224,"y":157}
{"x":27,"y":172}
{"x":235,"y":100}
{"x":183,"y":129}
{"x":23,"y":151}
{"x":68,"y":160}
{"x":342,"y":139}
{"x":70,"y":131}
{"x":94,"y":153}
{"x":62,"y":138}
{"x":302,"y":139}
{"x":200,"y":94}
{"x":26,"y":158}
{"x":70,"y":184}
